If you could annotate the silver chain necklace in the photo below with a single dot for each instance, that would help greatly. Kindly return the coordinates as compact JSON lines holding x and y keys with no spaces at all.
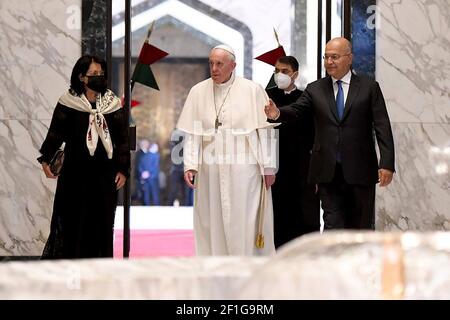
{"x":217,"y":123}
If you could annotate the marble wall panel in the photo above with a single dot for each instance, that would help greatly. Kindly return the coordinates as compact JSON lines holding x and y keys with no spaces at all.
{"x":26,"y":196}
{"x":41,"y":41}
{"x":419,"y":196}
{"x":413,"y":50}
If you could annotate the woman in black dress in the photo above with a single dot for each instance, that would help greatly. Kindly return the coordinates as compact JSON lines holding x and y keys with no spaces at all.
{"x":89,"y":120}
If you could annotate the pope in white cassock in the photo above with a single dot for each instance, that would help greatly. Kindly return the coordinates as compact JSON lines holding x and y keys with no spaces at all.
{"x":229,"y":148}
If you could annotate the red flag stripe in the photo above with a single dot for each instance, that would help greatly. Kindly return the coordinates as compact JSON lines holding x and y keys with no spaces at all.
{"x":272,"y":56}
{"x":150,"y":54}
{"x":134,"y":103}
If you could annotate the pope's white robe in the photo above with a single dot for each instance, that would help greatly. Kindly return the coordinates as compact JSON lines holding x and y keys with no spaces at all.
{"x":229,"y":164}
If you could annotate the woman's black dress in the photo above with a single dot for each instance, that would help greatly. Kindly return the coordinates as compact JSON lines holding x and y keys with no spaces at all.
{"x":86,"y":196}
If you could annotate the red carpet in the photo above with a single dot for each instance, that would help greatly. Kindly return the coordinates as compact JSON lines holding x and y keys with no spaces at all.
{"x":156,"y":243}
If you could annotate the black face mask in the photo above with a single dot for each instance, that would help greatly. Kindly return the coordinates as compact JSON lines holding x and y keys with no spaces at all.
{"x":97,"y":83}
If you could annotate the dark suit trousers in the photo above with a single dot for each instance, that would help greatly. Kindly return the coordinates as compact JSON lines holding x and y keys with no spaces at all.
{"x":347,"y":206}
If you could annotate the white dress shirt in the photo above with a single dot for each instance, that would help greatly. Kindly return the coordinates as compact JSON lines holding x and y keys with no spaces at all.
{"x":345,"y":85}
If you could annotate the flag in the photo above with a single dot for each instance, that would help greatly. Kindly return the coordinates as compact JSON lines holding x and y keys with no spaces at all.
{"x":143,"y":72}
{"x":134,"y":103}
{"x":271,"y":57}
{"x":149,"y":54}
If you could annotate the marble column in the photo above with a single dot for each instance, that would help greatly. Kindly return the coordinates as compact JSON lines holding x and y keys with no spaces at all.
{"x":96,"y":28}
{"x":413,"y":54}
{"x":40,"y":44}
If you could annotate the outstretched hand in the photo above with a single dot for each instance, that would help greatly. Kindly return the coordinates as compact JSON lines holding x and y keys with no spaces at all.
{"x":271,"y":110}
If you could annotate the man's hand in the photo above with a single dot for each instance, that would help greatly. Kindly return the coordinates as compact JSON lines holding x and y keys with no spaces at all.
{"x":120,"y":180}
{"x":47,"y":171}
{"x":189,"y":178}
{"x":271,"y":110}
{"x":384,"y":177}
{"x":270,"y":180}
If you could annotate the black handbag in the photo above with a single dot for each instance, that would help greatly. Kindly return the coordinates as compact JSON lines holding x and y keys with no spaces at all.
{"x":57,"y":162}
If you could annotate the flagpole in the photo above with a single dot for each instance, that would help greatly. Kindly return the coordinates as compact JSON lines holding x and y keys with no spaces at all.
{"x":276,"y":36}
{"x":127,"y":106}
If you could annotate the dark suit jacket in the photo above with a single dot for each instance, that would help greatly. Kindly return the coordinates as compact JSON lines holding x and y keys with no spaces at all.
{"x":295,"y":140}
{"x":364,"y":114}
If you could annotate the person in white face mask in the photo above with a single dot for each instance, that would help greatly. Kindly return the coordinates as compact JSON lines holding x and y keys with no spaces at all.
{"x":295,"y":205}
{"x":285,"y":76}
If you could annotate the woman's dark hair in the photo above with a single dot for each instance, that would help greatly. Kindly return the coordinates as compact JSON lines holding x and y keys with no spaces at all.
{"x":81,"y":67}
{"x":289,"y":60}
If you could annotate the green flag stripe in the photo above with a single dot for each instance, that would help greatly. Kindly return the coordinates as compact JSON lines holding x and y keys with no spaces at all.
{"x":144,"y":75}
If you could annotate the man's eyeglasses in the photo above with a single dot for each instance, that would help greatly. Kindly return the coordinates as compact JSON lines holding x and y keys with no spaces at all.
{"x":334,"y":57}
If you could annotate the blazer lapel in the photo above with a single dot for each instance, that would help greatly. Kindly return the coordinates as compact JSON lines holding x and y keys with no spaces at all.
{"x":330,"y":97}
{"x":352,"y":94}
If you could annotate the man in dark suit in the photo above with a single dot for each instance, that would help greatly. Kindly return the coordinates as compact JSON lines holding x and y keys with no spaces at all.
{"x":296,"y":209}
{"x":348,"y":110}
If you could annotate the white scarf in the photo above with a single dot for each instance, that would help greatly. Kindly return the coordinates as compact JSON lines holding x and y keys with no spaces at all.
{"x":98,"y":127}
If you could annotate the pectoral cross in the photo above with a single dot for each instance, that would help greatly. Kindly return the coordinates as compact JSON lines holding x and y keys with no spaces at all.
{"x":217,"y":124}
